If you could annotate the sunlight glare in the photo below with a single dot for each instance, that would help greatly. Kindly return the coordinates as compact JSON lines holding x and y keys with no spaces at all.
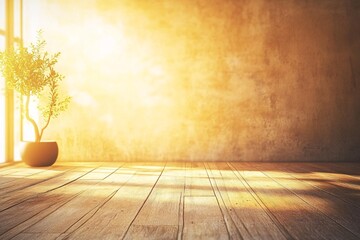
{"x":134,"y":79}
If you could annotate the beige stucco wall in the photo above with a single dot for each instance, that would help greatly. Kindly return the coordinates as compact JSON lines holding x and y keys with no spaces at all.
{"x":248,"y":80}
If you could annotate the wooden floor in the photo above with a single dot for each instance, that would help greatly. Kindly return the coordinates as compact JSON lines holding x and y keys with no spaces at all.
{"x":181,"y":201}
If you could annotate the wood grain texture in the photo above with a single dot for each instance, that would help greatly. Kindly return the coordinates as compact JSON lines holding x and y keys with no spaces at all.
{"x":248,"y":215}
{"x":203,"y":219}
{"x":327,"y":181}
{"x":161,"y":210}
{"x":297,"y":216}
{"x":197,"y":182}
{"x":333,"y":207}
{"x":202,"y":214}
{"x":35,"y":209}
{"x":178,"y":200}
{"x":10,"y":199}
{"x":115,"y":217}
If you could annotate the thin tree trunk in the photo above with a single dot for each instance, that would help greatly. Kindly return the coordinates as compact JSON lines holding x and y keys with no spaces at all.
{"x":31,"y":120}
{"x":47,"y":122}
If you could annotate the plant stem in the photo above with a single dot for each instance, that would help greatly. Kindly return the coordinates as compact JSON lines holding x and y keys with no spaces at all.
{"x":32,"y":121}
{"x":47,"y":122}
{"x":53,"y":94}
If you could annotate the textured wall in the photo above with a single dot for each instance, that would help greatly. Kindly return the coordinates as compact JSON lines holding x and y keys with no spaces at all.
{"x":249,"y":80}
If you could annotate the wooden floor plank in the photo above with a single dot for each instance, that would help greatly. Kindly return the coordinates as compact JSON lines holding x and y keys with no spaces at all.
{"x":152,"y":232}
{"x":341,"y":212}
{"x":216,"y":183}
{"x":202,"y":214}
{"x":37,"y":236}
{"x":13,"y":198}
{"x":192,"y":200}
{"x":114,"y":218}
{"x":159,"y":217}
{"x":297,"y":216}
{"x":344,"y":179}
{"x":68,"y":214}
{"x":28,"y":177}
{"x":197,"y":182}
{"x":22,"y":216}
{"x":162,"y":206}
{"x":349,"y":168}
{"x":101,"y":188}
{"x":6,"y":166}
{"x":203,"y":219}
{"x":66,"y":174}
{"x":249,"y":217}
{"x":15,"y":176}
{"x":325,"y":182}
{"x":98,"y":190}
{"x":9,"y":170}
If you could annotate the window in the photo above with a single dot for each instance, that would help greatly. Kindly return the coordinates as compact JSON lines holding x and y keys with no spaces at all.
{"x":2,"y":84}
{"x":10,"y":115}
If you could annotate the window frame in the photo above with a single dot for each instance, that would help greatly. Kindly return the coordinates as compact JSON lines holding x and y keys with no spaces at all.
{"x":10,"y":41}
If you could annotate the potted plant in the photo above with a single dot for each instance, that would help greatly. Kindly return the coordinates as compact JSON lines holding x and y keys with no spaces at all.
{"x":30,"y":71}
